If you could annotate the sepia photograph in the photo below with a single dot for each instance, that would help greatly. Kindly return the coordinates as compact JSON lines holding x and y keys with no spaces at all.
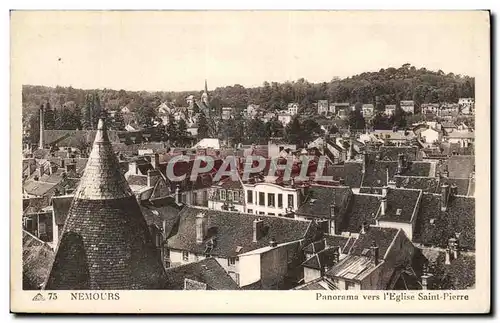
{"x":324,"y":155}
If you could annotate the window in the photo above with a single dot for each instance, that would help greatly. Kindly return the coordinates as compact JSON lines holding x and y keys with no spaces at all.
{"x":262,"y":213}
{"x":280,"y":200}
{"x":290,"y":201}
{"x":270,"y":200}
{"x":250,"y":196}
{"x":349,"y":285}
{"x":250,"y":211}
{"x":229,"y":195}
{"x":222,"y":195}
{"x":42,"y":228}
{"x":236,"y":196}
{"x":195,"y":198}
{"x":185,"y":256}
{"x":271,"y":214}
{"x":262,"y":198}
{"x":231,"y":261}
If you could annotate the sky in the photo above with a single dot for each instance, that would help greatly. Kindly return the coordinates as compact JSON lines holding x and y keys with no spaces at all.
{"x":176,"y":51}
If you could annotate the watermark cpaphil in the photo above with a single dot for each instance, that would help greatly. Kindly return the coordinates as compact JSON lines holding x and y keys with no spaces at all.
{"x":236,"y":168}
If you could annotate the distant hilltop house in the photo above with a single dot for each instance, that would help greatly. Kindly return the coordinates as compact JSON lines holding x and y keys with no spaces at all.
{"x":390,"y":109}
{"x":293,"y":108}
{"x":252,"y":110}
{"x":466,"y":105}
{"x":367,"y":110}
{"x":408,"y":106}
{"x":430,"y":108}
{"x":323,"y":107}
{"x":227,"y":113}
{"x":284,"y":118}
{"x":336,"y":107}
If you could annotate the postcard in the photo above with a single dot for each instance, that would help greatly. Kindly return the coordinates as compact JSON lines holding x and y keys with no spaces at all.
{"x":250,"y":162}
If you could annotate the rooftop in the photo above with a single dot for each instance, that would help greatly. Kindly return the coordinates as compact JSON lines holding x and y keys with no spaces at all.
{"x":232,"y":232}
{"x":207,"y":271}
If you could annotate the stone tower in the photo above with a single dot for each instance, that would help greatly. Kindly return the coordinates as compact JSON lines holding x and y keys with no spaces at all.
{"x":105,"y":242}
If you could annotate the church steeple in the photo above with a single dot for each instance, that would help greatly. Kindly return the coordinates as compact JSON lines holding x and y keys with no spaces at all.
{"x":105,"y":243}
{"x":204,"y":96}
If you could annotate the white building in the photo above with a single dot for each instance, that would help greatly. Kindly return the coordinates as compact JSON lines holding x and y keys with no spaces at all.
{"x":390,"y":109}
{"x":408,"y":106}
{"x":431,"y":135}
{"x":268,"y":198}
{"x":367,"y":110}
{"x":466,"y":105}
{"x":293,"y":108}
{"x":323,"y":107}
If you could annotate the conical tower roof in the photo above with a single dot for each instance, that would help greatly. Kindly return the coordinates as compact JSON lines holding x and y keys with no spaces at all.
{"x":105,"y":243}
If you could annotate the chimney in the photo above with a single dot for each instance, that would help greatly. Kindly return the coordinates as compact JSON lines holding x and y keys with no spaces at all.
{"x":453,"y":189}
{"x":258,"y":228}
{"x":366,"y":159}
{"x":336,"y":256}
{"x":178,"y":195}
{"x":341,"y":181}
{"x":40,"y":171}
{"x":156,"y":161}
{"x":445,"y":194}
{"x":132,"y":168}
{"x":426,"y":276}
{"x":272,"y":243}
{"x":201,"y":227}
{"x":374,"y":254}
{"x":41,"y":126}
{"x":453,"y":247}
{"x":445,"y":171}
{"x":447,"y":256}
{"x":401,"y":163}
{"x":383,"y":202}
{"x":332,"y":218}
{"x":62,"y":164}
{"x":364,"y":227}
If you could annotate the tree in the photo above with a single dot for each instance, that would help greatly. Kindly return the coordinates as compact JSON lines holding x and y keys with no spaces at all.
{"x":49,"y":117}
{"x":274,"y":128}
{"x":256,"y":132}
{"x":294,"y":132}
{"x":145,"y":115}
{"x":355,"y":118}
{"x":119,"y":122}
{"x":68,"y":120}
{"x":310,"y":130}
{"x":202,"y":126}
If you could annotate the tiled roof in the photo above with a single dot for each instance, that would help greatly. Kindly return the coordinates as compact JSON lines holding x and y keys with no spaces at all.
{"x":232,"y":230}
{"x":319,"y":199}
{"x":325,"y":257}
{"x":315,"y":247}
{"x":435,"y":227}
{"x":363,"y":209}
{"x":165,"y":215}
{"x":401,"y":205}
{"x":321,"y":283}
{"x":352,"y":268}
{"x":332,"y":241}
{"x":74,"y":138}
{"x":106,"y":243}
{"x":34,"y":204}
{"x":37,"y":259}
{"x":460,"y":166}
{"x":433,"y":184}
{"x":102,"y":178}
{"x":383,"y":237}
{"x":376,"y":173}
{"x":207,"y":271}
{"x":351,"y":172}
{"x":38,"y":188}
{"x":139,"y":180}
{"x":392,"y":152}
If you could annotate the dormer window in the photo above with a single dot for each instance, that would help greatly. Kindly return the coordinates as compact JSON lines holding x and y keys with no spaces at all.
{"x":222,"y":195}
